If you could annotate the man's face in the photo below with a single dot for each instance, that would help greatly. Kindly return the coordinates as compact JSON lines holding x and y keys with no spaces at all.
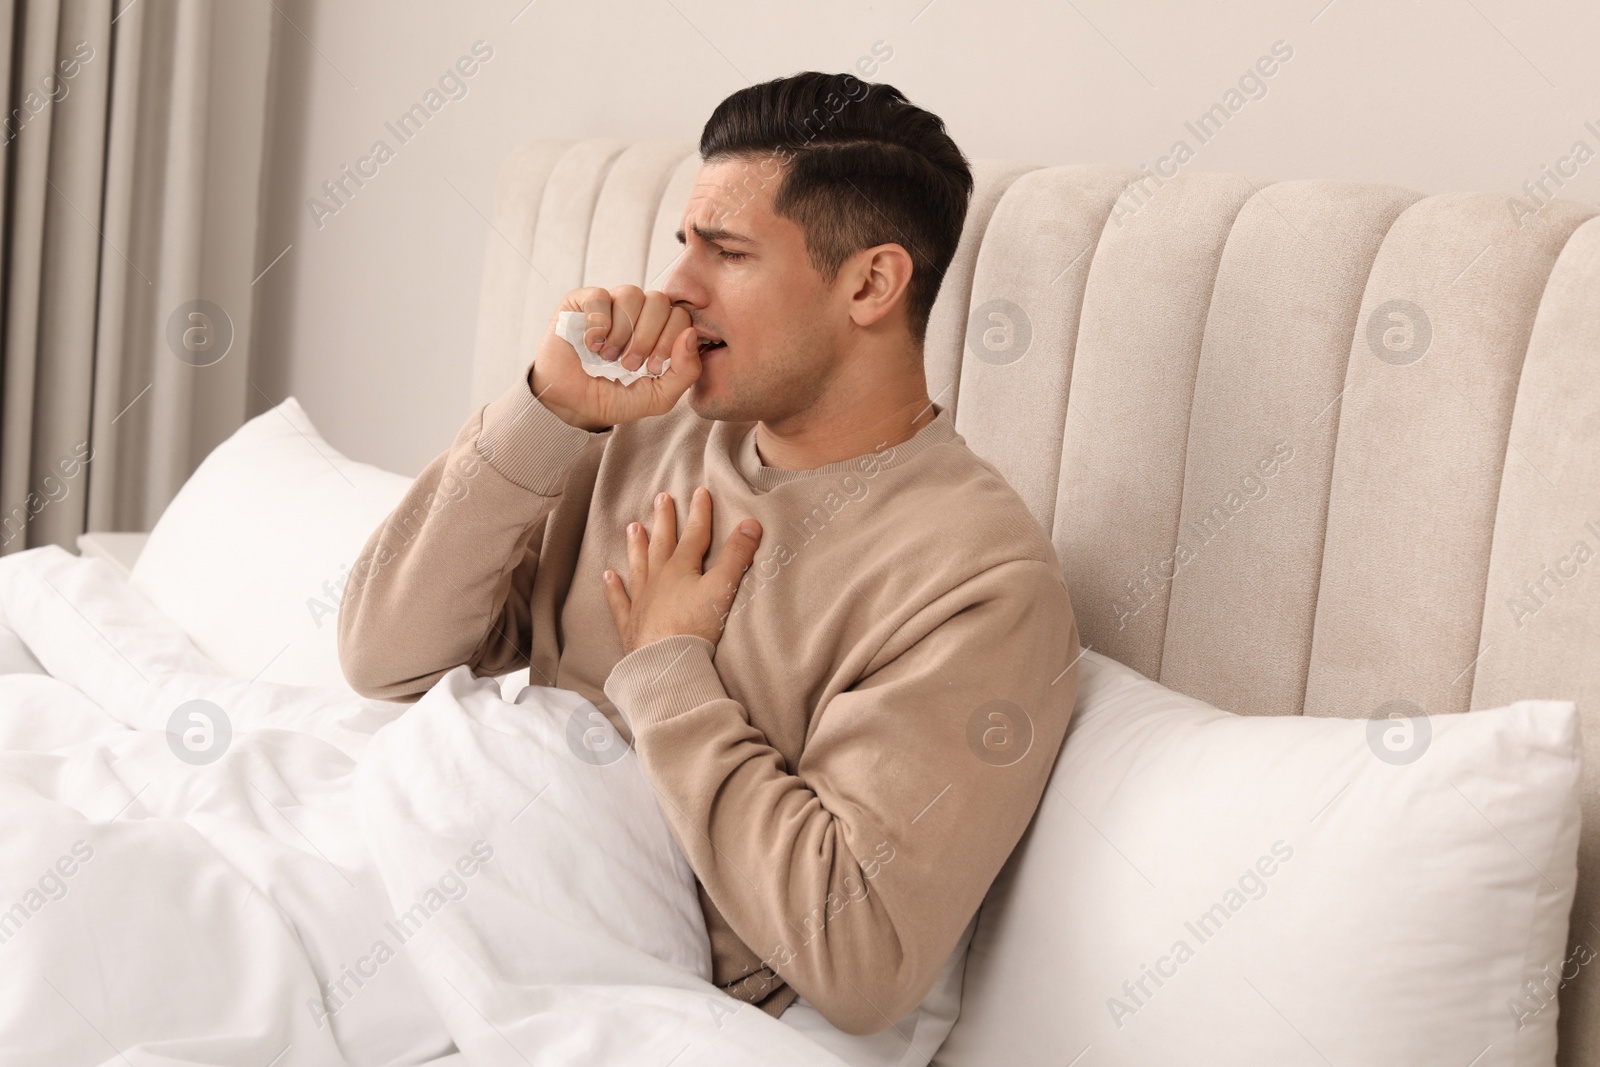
{"x":745,"y":280}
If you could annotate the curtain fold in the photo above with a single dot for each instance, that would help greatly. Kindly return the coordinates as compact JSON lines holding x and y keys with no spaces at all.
{"x":133,"y":146}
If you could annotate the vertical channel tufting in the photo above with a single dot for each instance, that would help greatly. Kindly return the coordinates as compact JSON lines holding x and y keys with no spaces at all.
{"x":947,"y":325}
{"x":1541,"y":618}
{"x":1022,"y":324}
{"x":664,"y":246}
{"x":625,"y":213}
{"x":561,"y":241}
{"x":518,"y":190}
{"x":1211,"y":321}
{"x":1424,"y":421}
{"x":1261,"y":442}
{"x":1549,"y":503}
{"x":1127,"y":424}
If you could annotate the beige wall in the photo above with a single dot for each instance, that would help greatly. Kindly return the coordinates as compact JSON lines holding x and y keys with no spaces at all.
{"x":369,"y":316}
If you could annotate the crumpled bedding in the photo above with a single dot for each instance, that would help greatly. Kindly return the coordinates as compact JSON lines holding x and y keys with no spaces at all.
{"x":197,"y":868}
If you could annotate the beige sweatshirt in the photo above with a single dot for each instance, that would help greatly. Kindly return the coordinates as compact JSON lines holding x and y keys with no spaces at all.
{"x":848,"y":768}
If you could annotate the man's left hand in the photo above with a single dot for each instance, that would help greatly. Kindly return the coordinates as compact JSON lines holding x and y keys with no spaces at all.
{"x":667,"y":593}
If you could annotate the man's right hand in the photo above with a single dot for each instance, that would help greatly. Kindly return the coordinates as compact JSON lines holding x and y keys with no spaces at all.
{"x":626,"y":324}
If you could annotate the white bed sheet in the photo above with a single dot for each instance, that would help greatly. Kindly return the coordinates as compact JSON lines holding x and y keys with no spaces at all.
{"x":162,"y":910}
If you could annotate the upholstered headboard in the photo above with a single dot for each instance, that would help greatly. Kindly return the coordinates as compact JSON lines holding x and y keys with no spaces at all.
{"x":1421,"y":375}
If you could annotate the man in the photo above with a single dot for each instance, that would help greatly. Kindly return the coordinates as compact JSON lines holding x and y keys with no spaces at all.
{"x":849,"y":716}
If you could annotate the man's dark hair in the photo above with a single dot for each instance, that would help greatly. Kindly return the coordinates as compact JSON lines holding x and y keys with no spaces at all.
{"x":861,"y":166}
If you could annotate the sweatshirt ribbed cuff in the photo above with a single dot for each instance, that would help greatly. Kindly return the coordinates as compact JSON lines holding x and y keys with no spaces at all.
{"x":529,"y":443}
{"x":664,"y":678}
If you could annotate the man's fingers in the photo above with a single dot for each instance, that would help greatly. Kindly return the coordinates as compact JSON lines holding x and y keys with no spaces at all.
{"x":684,"y":372}
{"x":697,"y":531}
{"x":653,"y":315}
{"x":638,"y":559}
{"x":664,"y":534}
{"x":621,"y":605}
{"x":627,"y":301}
{"x":671,"y":338}
{"x":737,"y":554}
{"x":595,"y":303}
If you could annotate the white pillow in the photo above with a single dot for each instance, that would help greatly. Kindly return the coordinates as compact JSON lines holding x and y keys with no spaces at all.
{"x":1281,"y":890}
{"x":251,"y":556}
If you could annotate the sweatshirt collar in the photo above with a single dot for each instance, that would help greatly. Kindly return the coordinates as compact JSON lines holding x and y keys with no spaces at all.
{"x":760,"y":476}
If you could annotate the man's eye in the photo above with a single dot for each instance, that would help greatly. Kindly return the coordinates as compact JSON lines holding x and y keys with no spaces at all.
{"x":733,"y":255}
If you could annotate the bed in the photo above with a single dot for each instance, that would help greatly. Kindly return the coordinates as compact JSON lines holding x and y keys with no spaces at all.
{"x":1126,"y":351}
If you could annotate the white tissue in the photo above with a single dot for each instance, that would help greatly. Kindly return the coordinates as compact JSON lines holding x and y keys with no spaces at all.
{"x":570,"y":326}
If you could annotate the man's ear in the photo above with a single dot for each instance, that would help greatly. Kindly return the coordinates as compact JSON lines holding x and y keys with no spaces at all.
{"x":878,"y":277}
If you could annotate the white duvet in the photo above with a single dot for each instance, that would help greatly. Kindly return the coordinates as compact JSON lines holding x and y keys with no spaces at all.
{"x":350,"y":881}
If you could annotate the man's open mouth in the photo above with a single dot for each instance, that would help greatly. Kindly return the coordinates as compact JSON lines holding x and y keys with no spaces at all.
{"x":708,"y":345}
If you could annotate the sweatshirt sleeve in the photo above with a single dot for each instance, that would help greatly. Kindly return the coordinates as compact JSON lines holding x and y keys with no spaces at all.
{"x":854,"y":876}
{"x":445,"y":580}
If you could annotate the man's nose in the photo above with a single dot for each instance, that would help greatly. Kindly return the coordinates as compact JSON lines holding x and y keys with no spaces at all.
{"x":681,"y":286}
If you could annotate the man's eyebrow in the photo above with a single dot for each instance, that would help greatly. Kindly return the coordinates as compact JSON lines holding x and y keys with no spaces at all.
{"x":716,"y":236}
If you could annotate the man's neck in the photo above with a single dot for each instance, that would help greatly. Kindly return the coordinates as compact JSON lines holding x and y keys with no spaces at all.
{"x":824,"y":439}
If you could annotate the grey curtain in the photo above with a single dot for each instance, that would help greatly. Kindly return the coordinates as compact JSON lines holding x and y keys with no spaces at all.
{"x":131,"y":162}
